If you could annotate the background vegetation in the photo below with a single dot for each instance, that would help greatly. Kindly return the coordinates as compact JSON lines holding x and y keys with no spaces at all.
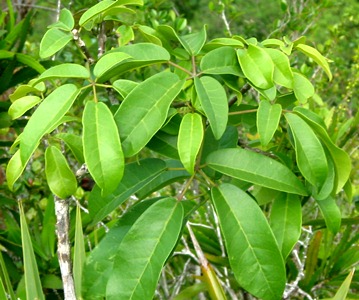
{"x":319,"y":263}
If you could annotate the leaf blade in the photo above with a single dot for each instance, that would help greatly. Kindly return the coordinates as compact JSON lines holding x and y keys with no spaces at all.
{"x":268,"y":117}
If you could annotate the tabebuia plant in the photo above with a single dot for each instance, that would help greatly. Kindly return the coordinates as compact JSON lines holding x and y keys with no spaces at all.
{"x":207,"y":150}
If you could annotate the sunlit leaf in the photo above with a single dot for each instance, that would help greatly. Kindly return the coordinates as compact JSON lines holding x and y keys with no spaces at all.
{"x":268,"y":117}
{"x":102,"y":146}
{"x":95,"y":10}
{"x":124,"y":87}
{"x":144,"y":110}
{"x":213,"y":99}
{"x":331,"y":214}
{"x":53,"y":41}
{"x":22,"y":105}
{"x":194,"y":42}
{"x":60,"y":178}
{"x":14,"y":169}
{"x":108,"y":62}
{"x":252,"y":250}
{"x":142,"y":252}
{"x":286,"y":222}
{"x":66,"y":20}
{"x":344,"y":288}
{"x":303,"y":88}
{"x":255,"y":168}
{"x":190,"y":139}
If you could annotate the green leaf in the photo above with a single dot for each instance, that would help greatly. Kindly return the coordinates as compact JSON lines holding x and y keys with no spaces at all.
{"x":124,"y":86}
{"x":344,"y":288}
{"x":95,"y":10}
{"x":317,"y":57}
{"x":190,"y":139}
{"x":257,"y":66}
{"x":74,"y":142}
{"x":311,"y":158}
{"x":221,"y":61}
{"x":268,"y":117}
{"x":143,"y":253}
{"x":49,"y":113}
{"x":66,"y":70}
{"x":79,"y":254}
{"x":252,"y":250}
{"x":67,"y":19}
{"x":53,"y":41}
{"x":30,"y":62}
{"x":22,"y":105}
{"x":32,"y":278}
{"x":255,"y":168}
{"x":108,"y":62}
{"x":102,"y":146}
{"x":47,"y":234}
{"x":101,"y":259}
{"x":283,"y":74}
{"x":143,"y":54}
{"x":60,"y":178}
{"x":221,"y":42}
{"x":194,"y":42}
{"x":328,"y":185}
{"x":14,"y":169}
{"x":286,"y":222}
{"x":303,"y":88}
{"x":341,"y":159}
{"x":164,"y":144}
{"x":144,"y":110}
{"x":136,"y":176}
{"x":213,"y":99}
{"x":331,"y":213}
{"x":150,"y":34}
{"x":126,"y":34}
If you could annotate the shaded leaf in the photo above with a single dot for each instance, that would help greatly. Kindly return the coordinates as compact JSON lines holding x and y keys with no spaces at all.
{"x":49,"y":113}
{"x":102,"y":146}
{"x":60,"y":178}
{"x":255,"y":168}
{"x":331,"y":214}
{"x":74,"y":142}
{"x":144,"y":110}
{"x":268,"y":117}
{"x":53,"y":41}
{"x":190,"y":139}
{"x":286,"y":222}
{"x":213,"y":99}
{"x":142,"y":253}
{"x":30,"y":62}
{"x":252,"y":249}
{"x":311,"y":158}
{"x":257,"y":66}
{"x":344,"y":288}
{"x":164,"y":144}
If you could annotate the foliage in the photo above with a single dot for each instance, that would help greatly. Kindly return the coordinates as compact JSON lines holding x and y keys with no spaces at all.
{"x":211,"y":154}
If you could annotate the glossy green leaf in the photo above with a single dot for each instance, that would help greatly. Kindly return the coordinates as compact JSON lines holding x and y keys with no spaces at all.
{"x":257,"y":66}
{"x":53,"y":41}
{"x":268,"y":117}
{"x":66,"y":21}
{"x":49,"y":113}
{"x":221,"y":61}
{"x":255,"y":168}
{"x":143,"y":253}
{"x":143,"y":54}
{"x":79,"y":254}
{"x":190,"y":139}
{"x":74,"y":142}
{"x":144,"y":110}
{"x":108,"y":62}
{"x":24,"y":89}
{"x":317,"y":57}
{"x":60,"y":178}
{"x":101,"y":258}
{"x":164,"y":144}
{"x":344,"y":288}
{"x":286,"y":222}
{"x":213,"y":99}
{"x":102,"y":146}
{"x":331,"y":214}
{"x":22,"y":105}
{"x":194,"y":42}
{"x":32,"y":279}
{"x":124,"y":86}
{"x":252,"y":250}
{"x":283,"y":74}
{"x":341,"y":159}
{"x":310,"y":154}
{"x":303,"y":88}
{"x":95,"y":10}
{"x":136,"y":176}
{"x":14,"y":169}
{"x":66,"y":70}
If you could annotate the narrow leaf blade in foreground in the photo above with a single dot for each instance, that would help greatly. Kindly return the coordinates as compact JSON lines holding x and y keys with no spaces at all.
{"x":189,"y":140}
{"x":252,"y":249}
{"x":102,"y":146}
{"x":268,"y":117}
{"x":331,"y":213}
{"x":145,"y":109}
{"x":255,"y":168}
{"x":142,"y":252}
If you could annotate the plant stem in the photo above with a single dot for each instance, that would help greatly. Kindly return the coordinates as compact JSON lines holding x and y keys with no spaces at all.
{"x":64,"y":247}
